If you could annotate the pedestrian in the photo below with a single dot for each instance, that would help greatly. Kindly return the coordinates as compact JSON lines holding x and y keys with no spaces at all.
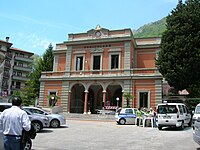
{"x":138,"y":117}
{"x":152,"y":113}
{"x":12,"y":121}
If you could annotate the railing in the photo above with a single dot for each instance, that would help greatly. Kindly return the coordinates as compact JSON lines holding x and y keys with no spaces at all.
{"x":21,"y":68}
{"x":9,"y":55}
{"x":21,"y":58}
{"x":106,"y":73}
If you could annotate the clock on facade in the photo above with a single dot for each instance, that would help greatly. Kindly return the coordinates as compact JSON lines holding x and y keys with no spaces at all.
{"x":98,"y":33}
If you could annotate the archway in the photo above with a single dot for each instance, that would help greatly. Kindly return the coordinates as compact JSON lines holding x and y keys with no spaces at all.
{"x":77,"y":99}
{"x":95,"y":98}
{"x":112,"y":93}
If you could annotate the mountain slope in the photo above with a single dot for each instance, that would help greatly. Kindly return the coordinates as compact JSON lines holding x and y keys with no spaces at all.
{"x":154,"y":29}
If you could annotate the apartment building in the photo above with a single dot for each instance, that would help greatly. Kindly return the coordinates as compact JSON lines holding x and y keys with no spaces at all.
{"x":15,"y":65}
{"x":94,"y":69}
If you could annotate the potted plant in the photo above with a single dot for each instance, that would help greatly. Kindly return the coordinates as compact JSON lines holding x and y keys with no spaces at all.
{"x":52,"y":99}
{"x":128,"y":97}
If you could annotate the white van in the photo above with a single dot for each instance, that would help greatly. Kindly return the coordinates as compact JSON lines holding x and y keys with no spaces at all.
{"x":196,"y":113}
{"x":173,"y":115}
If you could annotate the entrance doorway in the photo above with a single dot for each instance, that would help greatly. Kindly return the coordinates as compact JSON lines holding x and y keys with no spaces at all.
{"x":144,"y":99}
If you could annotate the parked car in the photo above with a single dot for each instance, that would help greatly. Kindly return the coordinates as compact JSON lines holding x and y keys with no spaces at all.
{"x":126,"y":116}
{"x":196,"y":113}
{"x":39,"y":121}
{"x":173,"y":115}
{"x":196,"y":131}
{"x":56,"y":120}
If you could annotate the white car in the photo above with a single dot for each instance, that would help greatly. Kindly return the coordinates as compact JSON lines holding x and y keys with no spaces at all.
{"x":56,"y":120}
{"x":196,"y":131}
{"x":196,"y":113}
{"x":173,"y":115}
{"x":126,"y":116}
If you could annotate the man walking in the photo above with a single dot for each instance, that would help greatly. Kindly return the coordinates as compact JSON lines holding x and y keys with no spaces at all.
{"x":12,"y":121}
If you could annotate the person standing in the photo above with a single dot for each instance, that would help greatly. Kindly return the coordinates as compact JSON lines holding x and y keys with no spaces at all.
{"x":12,"y":121}
{"x":152,"y":113}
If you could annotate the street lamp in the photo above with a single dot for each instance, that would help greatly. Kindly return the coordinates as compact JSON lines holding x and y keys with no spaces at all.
{"x":117,"y":99}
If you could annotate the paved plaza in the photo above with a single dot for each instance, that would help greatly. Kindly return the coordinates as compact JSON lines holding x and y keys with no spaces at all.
{"x":107,"y":135}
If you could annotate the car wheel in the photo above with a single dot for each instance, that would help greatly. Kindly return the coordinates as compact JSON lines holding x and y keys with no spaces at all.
{"x":122,"y":121}
{"x":28,"y":145}
{"x":159,"y":127}
{"x":37,"y":125}
{"x":55,"y":123}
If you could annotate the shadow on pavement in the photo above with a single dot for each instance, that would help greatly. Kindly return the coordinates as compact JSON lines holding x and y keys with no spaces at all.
{"x":175,"y":129}
{"x":46,"y":131}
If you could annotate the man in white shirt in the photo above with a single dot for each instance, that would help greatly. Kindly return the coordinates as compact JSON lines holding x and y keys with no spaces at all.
{"x":12,"y":121}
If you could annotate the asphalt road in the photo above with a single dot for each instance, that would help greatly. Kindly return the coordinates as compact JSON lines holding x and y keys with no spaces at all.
{"x":99,"y":135}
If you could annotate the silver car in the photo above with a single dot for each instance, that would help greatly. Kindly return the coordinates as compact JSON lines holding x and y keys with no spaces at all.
{"x":56,"y":120}
{"x":39,"y":121}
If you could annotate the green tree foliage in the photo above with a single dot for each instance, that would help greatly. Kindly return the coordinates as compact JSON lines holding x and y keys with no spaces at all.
{"x":48,"y":59}
{"x":179,"y":58}
{"x":44,"y":63}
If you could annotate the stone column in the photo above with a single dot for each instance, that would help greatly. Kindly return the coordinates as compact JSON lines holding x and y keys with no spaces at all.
{"x":122,"y":98}
{"x":69,"y":99}
{"x":104,"y":98}
{"x":86,"y":102}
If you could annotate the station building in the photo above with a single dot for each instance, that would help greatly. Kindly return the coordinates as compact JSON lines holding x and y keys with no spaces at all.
{"x":93,"y":70}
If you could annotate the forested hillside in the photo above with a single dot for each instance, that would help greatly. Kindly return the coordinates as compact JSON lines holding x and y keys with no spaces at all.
{"x":154,"y":29}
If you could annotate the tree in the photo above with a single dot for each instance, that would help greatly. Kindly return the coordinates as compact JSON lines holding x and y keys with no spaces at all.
{"x":44,"y":63}
{"x":128,"y":97}
{"x":48,"y":59}
{"x":179,"y":58}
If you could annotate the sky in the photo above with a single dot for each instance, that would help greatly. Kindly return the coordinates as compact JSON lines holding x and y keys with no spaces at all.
{"x":33,"y":24}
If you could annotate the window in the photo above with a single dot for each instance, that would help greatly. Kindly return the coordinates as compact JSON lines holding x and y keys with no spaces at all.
{"x":180,"y":109}
{"x":129,"y":111}
{"x":15,"y":63}
{"x":114,"y":61}
{"x":96,"y":62}
{"x":79,"y":63}
{"x":19,"y":74}
{"x":18,"y":85}
{"x":20,"y":64}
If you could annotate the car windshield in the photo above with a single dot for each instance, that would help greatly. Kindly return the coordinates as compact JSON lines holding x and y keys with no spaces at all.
{"x":197,"y":110}
{"x":166,"y":109}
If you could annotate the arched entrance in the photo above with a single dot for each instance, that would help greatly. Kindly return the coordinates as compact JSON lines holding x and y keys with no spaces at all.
{"x":114,"y":95}
{"x":95,"y":98}
{"x":77,"y":99}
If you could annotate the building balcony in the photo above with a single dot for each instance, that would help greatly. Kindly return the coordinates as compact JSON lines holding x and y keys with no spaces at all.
{"x":115,"y":73}
{"x":5,"y":86}
{"x":7,"y":65}
{"x":15,"y":87}
{"x":20,"y":78}
{"x":2,"y":55}
{"x":25,"y":59}
{"x":9,"y":55}
{"x":20,"y":68}
{"x":6,"y":74}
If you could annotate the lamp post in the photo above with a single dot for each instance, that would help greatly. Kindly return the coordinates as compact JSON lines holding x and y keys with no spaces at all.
{"x":117,"y":99}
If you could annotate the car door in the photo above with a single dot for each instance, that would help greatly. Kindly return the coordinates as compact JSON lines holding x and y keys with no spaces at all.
{"x":130,"y":116}
{"x":187,"y":115}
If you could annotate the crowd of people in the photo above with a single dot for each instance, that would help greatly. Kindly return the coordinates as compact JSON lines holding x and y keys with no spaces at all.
{"x":142,"y":113}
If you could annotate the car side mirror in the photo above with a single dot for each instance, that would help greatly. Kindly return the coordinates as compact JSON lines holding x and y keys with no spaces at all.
{"x":45,"y":113}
